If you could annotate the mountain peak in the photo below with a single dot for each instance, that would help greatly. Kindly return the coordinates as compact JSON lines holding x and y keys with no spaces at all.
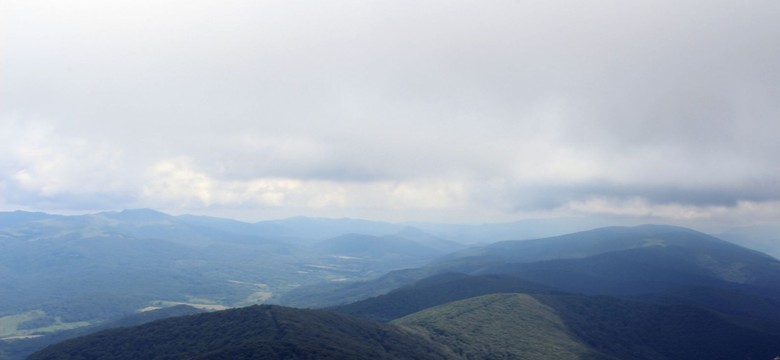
{"x":10,"y":218}
{"x":142,"y":214}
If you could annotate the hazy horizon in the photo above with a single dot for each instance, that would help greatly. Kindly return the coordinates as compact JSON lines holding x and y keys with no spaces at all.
{"x":441,"y":111}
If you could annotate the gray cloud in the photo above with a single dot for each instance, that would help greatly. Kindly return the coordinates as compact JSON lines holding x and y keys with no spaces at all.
{"x":520,"y":105}
{"x":555,"y":196}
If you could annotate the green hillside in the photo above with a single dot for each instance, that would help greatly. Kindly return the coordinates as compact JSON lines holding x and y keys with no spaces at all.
{"x":615,"y":261}
{"x":496,"y":326}
{"x":436,"y":290}
{"x":63,"y":272}
{"x":631,"y":329}
{"x":559,"y":326}
{"x":674,"y":293}
{"x":500,"y":326}
{"x":256,"y":332}
{"x":740,"y":284}
{"x":20,"y":349}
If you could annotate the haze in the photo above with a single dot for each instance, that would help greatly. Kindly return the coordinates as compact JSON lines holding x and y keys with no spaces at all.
{"x":451,"y":111}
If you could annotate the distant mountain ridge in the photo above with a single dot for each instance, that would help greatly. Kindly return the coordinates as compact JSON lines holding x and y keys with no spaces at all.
{"x":613,"y":260}
{"x":67,"y":272}
{"x":17,"y":217}
{"x":593,"y":242}
{"x":313,"y":229}
{"x":72,"y":271}
{"x":646,"y":292}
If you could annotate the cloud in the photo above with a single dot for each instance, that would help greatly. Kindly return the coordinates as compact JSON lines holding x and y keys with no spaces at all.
{"x":552,"y":196}
{"x":498,"y":109}
{"x":178,"y":182}
{"x":40,"y":169}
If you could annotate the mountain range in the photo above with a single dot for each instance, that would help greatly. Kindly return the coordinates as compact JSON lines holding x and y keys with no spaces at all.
{"x":643,"y":292}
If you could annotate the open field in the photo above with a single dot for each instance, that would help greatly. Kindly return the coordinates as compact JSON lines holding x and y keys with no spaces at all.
{"x":10,"y":325}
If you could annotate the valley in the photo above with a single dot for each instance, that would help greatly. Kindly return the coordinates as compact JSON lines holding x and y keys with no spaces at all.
{"x":643,"y":292}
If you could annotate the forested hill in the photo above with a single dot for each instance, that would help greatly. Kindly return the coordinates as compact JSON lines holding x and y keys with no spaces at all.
{"x":255,"y":332}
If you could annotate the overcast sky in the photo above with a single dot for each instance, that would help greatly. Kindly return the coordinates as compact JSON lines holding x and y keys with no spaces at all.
{"x":454,"y":111}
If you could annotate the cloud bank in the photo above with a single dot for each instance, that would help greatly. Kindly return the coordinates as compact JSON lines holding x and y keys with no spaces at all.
{"x":442,"y":110}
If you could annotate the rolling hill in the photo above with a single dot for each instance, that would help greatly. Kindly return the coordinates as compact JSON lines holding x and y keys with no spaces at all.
{"x":64,"y":272}
{"x":647,"y":292}
{"x":501,"y":326}
{"x":20,"y":349}
{"x":633,"y":329}
{"x":433,"y":291}
{"x":494,"y":326}
{"x":614,"y":260}
{"x":560,"y":326}
{"x":256,"y":332}
{"x":69,"y":272}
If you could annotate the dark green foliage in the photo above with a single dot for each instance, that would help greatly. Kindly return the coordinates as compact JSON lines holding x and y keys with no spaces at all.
{"x":256,"y":332}
{"x":100,"y":267}
{"x":629,"y":329}
{"x":615,"y":260}
{"x":669,"y":328}
{"x":655,"y":269}
{"x":19,"y":349}
{"x":736,"y":302}
{"x":501,"y":326}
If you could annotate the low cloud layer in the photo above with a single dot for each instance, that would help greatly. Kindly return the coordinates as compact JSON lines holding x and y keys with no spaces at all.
{"x":445,"y":110}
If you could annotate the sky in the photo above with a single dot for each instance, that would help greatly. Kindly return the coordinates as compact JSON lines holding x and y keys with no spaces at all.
{"x":448,"y":111}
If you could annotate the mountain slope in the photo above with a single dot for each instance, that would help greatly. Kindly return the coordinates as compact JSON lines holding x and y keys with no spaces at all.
{"x":20,"y":349}
{"x":11,"y":218}
{"x":63,"y":272}
{"x":615,"y":260}
{"x":496,"y":326}
{"x":650,"y":269}
{"x":433,"y":291}
{"x":500,"y":326}
{"x":631,"y":329}
{"x":256,"y":332}
{"x":426,"y":239}
{"x":598,"y":241}
{"x":702,"y":298}
{"x":561,"y":326}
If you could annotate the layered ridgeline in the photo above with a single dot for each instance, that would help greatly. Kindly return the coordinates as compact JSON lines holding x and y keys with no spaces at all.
{"x":521,"y":326}
{"x":59,"y":273}
{"x":21,"y":348}
{"x":494,"y":326}
{"x":674,"y":294}
{"x":256,"y":332}
{"x":648,"y":292}
{"x":610,"y":261}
